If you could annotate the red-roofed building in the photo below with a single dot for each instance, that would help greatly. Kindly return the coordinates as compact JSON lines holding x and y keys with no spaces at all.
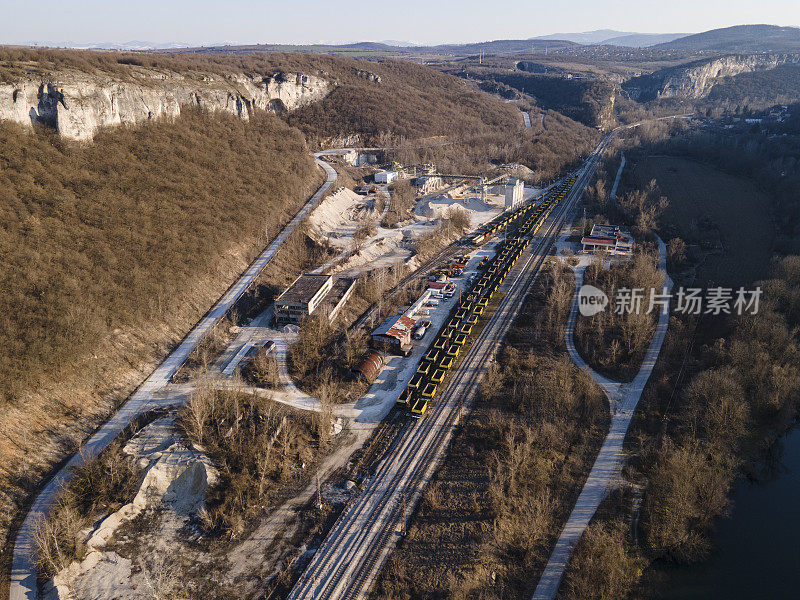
{"x":394,"y":334}
{"x":608,"y":238}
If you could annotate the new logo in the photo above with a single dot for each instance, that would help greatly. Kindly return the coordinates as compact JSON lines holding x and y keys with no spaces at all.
{"x":591,"y":300}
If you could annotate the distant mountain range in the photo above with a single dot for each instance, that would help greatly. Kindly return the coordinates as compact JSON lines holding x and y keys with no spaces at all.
{"x":740,"y":38}
{"x":737,"y":39}
{"x":608,"y":37}
{"x":641,"y":40}
{"x":132,"y":45}
{"x":586,"y":37}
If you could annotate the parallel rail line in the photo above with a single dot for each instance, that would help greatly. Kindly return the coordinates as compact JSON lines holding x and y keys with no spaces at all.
{"x":362,"y":537}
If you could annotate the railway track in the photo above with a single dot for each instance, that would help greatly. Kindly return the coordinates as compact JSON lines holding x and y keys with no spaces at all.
{"x":426,"y":269}
{"x":358,"y":544}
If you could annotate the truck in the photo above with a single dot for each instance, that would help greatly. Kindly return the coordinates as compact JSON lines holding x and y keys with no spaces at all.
{"x":421,"y":329}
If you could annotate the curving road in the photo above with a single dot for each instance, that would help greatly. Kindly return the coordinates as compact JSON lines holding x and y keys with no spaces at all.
{"x":623,"y":399}
{"x":23,"y":567}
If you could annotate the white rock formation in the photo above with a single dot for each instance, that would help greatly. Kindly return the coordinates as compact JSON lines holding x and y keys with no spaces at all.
{"x":695,"y":79}
{"x":78,"y":103}
{"x":175,"y":482}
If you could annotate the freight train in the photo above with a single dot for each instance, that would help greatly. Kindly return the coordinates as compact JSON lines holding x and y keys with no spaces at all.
{"x":465,"y":320}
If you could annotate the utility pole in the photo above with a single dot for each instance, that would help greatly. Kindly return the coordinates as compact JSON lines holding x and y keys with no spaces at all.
{"x":319,"y":494}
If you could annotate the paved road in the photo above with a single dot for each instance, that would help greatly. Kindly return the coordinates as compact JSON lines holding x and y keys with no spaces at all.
{"x":145,"y":398}
{"x":526,"y":116}
{"x":618,"y":177}
{"x":623,"y":398}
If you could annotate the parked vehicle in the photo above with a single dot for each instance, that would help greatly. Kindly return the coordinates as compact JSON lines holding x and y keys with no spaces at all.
{"x":421,"y":329}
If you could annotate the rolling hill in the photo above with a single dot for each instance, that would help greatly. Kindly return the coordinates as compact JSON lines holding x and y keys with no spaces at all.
{"x":610,"y":37}
{"x":740,"y":38}
{"x":586,"y":37}
{"x":642,"y":40}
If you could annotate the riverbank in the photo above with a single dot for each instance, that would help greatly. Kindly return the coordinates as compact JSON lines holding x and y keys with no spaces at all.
{"x":756,"y":547}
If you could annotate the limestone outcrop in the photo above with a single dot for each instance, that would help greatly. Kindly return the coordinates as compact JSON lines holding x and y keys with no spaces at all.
{"x":695,"y":80}
{"x":77,"y":104}
{"x":176,"y":479}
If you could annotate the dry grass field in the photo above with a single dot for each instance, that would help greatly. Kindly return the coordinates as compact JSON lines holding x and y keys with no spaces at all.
{"x":706,"y":205}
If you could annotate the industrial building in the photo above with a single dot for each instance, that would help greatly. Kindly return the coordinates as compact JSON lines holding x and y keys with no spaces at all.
{"x":313,"y":293}
{"x":612,"y":239}
{"x":515,"y":189}
{"x":369,"y":366}
{"x":386,"y":176}
{"x":394,"y":334}
{"x":359,"y":159}
{"x":428,"y":183}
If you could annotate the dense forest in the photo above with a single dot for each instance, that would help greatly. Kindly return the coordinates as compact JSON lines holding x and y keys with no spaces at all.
{"x":772,"y":161}
{"x":723,"y":391}
{"x":757,"y":90}
{"x":585,"y":100}
{"x":104,"y":236}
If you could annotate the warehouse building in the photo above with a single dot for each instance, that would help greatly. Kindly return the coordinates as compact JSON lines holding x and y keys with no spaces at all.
{"x":394,"y":335}
{"x":313,"y":293}
{"x":386,"y":176}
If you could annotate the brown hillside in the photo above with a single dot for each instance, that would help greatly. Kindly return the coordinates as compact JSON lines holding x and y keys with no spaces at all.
{"x":111,"y":251}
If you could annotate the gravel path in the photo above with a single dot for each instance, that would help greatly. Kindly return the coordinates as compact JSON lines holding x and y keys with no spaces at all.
{"x":623,"y":398}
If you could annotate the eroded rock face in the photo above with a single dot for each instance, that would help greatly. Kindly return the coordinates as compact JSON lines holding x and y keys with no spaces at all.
{"x":76,"y":104}
{"x":695,"y":80}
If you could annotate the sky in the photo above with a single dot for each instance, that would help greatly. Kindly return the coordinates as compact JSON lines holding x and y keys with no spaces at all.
{"x":197,"y":22}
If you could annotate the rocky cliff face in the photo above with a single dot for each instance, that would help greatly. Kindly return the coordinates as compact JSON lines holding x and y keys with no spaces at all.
{"x":77,"y":104}
{"x":695,"y":80}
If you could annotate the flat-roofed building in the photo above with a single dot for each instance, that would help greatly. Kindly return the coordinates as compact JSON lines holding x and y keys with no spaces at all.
{"x":311,"y":294}
{"x":386,"y":176}
{"x":337,"y":296}
{"x":302,"y":298}
{"x":612,"y":239}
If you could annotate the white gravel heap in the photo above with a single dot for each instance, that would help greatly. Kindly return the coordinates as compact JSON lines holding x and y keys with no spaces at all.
{"x":175,"y":482}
